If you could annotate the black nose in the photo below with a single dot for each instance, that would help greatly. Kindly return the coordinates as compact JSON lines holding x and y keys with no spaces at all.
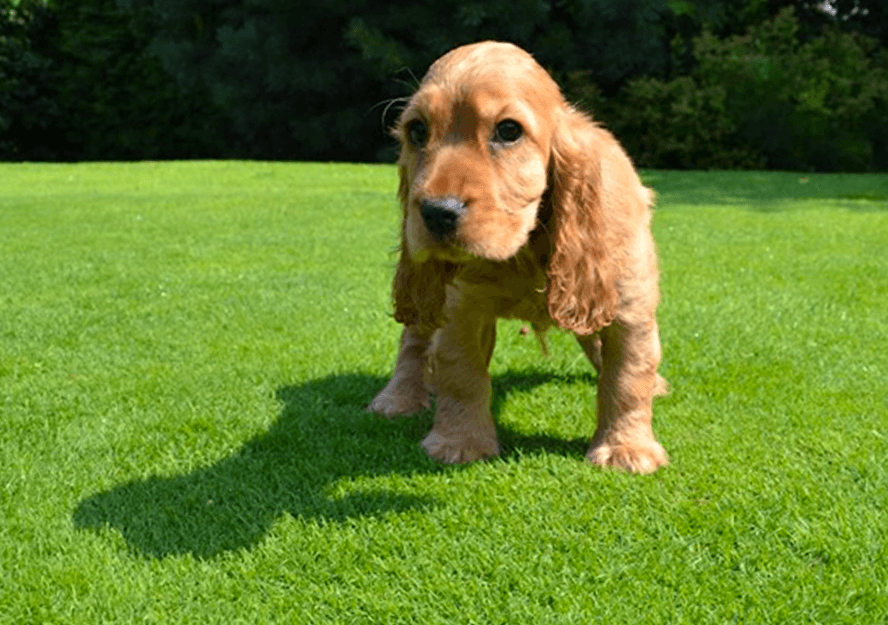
{"x":441,"y":215}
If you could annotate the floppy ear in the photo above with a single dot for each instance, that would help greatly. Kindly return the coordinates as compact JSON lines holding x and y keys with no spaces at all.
{"x":418,"y":290}
{"x":582,"y":291}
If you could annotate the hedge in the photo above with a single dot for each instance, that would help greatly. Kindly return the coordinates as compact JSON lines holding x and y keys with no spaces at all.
{"x":705,"y":84}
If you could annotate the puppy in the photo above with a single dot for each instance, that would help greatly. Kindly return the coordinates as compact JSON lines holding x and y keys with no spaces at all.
{"x":516,"y":205}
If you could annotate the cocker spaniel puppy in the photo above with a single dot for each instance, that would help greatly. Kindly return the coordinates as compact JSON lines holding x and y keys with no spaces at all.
{"x":517,"y":205}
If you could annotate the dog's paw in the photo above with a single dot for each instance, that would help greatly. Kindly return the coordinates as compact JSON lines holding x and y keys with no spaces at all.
{"x":639,"y":457}
{"x":391,"y":404}
{"x":460,"y":451}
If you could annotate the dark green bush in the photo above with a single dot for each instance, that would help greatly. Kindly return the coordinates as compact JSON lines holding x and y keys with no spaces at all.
{"x":29,"y":107}
{"x":275,"y":79}
{"x":311,"y":80}
{"x":76,"y":83}
{"x":123,"y":104}
{"x":681,"y":125}
{"x":763,"y":99}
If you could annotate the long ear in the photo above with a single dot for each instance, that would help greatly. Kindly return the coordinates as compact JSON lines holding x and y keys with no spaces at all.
{"x":418,"y":289}
{"x":582,"y":291}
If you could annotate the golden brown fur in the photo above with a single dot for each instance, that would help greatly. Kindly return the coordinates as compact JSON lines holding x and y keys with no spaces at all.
{"x":516,"y":205}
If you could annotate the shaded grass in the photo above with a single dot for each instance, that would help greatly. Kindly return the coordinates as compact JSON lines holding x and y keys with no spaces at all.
{"x":186,"y":350}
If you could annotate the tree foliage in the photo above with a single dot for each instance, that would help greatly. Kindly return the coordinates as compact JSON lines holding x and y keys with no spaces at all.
{"x":77,"y":83}
{"x":764,"y":99}
{"x":684,"y":83}
{"x":28,"y":106}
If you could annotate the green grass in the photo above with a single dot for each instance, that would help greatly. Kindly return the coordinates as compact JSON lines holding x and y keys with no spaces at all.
{"x":186,"y":350}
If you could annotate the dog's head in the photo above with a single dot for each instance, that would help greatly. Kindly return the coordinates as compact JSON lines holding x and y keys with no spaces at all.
{"x":475,"y":144}
{"x":489,"y":148}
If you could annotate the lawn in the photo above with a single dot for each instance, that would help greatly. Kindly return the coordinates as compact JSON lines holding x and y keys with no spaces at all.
{"x":186,"y":350}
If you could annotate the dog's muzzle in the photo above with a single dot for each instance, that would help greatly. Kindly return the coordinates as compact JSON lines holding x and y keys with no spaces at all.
{"x":441,"y":215}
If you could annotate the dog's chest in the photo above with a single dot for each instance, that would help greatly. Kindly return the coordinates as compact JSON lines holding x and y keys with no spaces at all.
{"x":515,"y":289}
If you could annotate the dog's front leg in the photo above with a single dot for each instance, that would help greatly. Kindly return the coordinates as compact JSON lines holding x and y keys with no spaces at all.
{"x":406,"y":393}
{"x":458,"y":373}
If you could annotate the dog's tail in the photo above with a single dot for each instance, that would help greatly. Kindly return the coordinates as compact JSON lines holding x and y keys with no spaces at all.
{"x":541,"y":337}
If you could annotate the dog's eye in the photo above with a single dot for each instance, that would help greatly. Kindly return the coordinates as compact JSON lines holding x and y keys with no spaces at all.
{"x":508,"y":131}
{"x":418,"y":133}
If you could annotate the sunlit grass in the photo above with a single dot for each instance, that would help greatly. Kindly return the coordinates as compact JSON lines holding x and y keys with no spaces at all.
{"x":186,"y":350}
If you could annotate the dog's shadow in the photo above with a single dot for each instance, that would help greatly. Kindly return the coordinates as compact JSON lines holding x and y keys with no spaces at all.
{"x":322,"y":436}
